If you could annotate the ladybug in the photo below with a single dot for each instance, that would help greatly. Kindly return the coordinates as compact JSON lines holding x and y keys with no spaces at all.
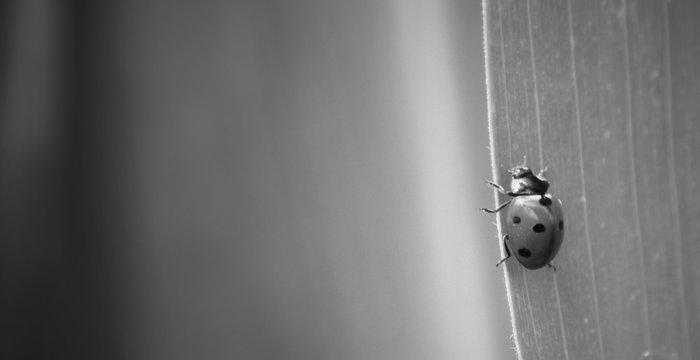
{"x":534,"y":220}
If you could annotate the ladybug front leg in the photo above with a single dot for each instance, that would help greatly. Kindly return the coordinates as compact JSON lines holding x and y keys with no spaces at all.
{"x":499,"y":208}
{"x":497,"y":187}
{"x":505,"y":246}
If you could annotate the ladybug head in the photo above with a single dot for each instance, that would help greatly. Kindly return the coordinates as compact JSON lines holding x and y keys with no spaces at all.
{"x":520,"y":172}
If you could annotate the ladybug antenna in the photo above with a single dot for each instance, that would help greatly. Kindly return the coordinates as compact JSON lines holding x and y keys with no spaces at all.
{"x":524,"y":161}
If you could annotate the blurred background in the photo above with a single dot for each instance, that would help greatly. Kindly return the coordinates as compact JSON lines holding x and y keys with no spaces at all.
{"x":246,"y":180}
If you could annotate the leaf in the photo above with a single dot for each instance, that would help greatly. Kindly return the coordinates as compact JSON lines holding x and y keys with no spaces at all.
{"x":603,"y":93}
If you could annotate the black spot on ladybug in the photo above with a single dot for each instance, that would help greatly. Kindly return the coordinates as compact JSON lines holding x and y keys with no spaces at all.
{"x":524,"y":253}
{"x":516,"y":220}
{"x":545,"y":201}
{"x":561,"y":225}
{"x":538,"y":228}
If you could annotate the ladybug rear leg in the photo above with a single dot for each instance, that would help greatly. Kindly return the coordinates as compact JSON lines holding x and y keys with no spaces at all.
{"x":499,"y":208}
{"x":505,"y":246}
{"x":552,"y":267}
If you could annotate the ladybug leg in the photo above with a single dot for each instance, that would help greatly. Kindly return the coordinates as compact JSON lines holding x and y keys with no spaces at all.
{"x":497,"y":187}
{"x":499,"y":208}
{"x":541,"y":173}
{"x":505,"y":246}
{"x":544,"y":200}
{"x":552,"y":267}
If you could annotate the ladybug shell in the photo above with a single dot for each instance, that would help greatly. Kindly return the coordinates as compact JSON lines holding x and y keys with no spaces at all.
{"x":535,"y":229}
